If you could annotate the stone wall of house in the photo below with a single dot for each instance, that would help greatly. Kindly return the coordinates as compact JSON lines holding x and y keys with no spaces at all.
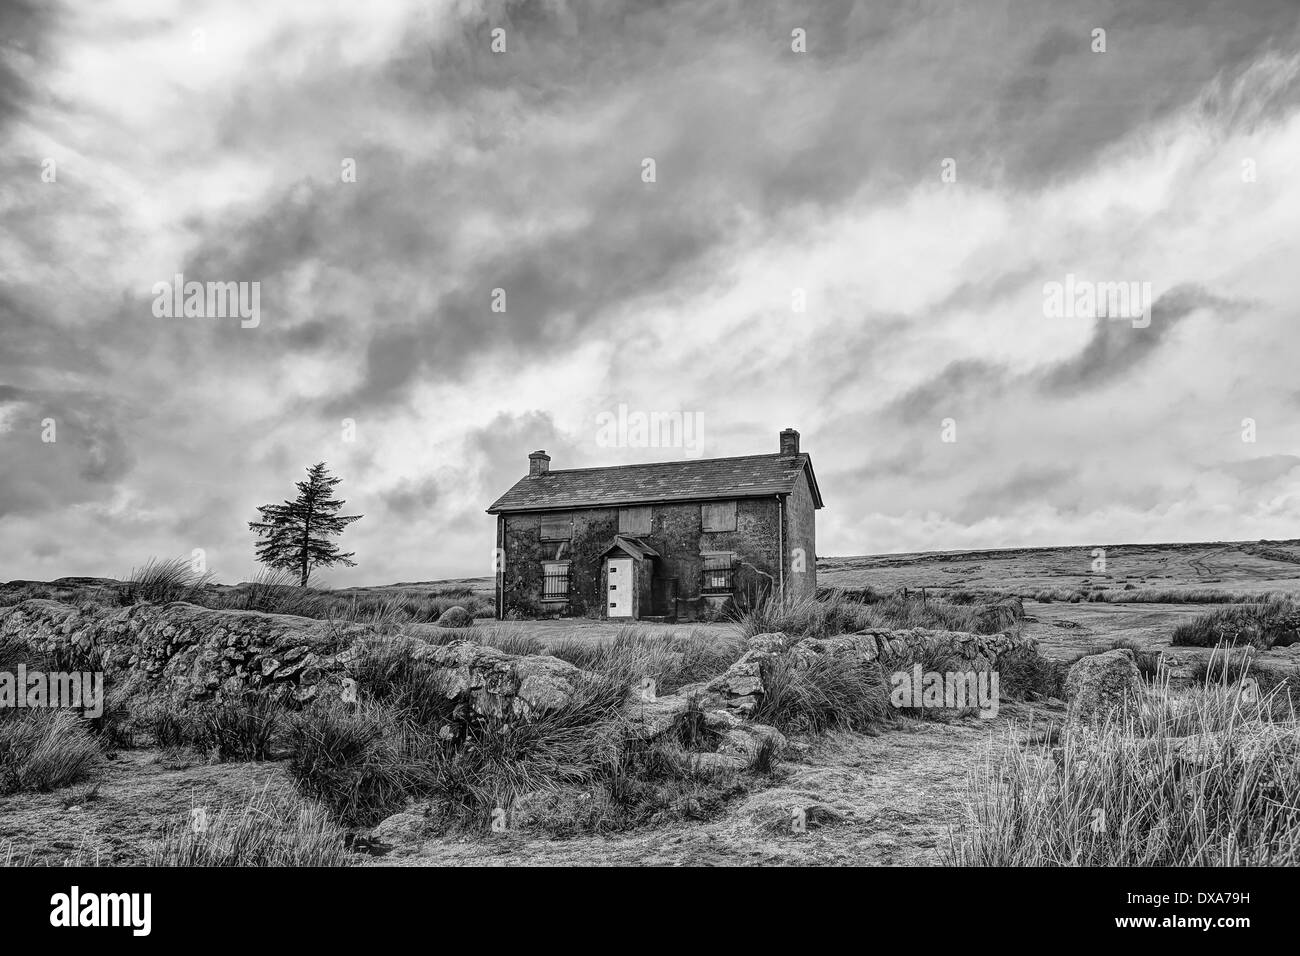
{"x":593,"y":530}
{"x":801,"y":536}
{"x":676,"y":532}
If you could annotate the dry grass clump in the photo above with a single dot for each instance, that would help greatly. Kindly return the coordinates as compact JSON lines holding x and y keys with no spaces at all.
{"x":363,"y":762}
{"x":837,"y":613}
{"x":498,"y":760}
{"x":1132,"y":594}
{"x":248,"y":727}
{"x":831,"y":693}
{"x":263,"y":833}
{"x":672,"y":660}
{"x":272,"y":591}
{"x":161,"y":581}
{"x":44,"y":749}
{"x":1275,"y":622}
{"x":1204,"y":778}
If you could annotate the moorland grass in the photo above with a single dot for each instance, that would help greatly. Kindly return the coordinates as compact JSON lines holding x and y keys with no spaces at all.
{"x":1261,"y":625}
{"x":1204,"y":777}
{"x":265,"y":832}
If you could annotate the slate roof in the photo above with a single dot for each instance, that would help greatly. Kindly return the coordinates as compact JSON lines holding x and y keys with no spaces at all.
{"x":748,"y":476}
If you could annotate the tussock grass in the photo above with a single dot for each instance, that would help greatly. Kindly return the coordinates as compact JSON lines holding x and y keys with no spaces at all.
{"x":1231,"y":665}
{"x":672,"y":660}
{"x":161,"y":581}
{"x":832,"y":693}
{"x":838,"y":613}
{"x":1263,"y":625}
{"x":1131,"y":594}
{"x":501,"y":760}
{"x":1226,"y":664}
{"x":647,"y":783}
{"x":263,"y":833}
{"x":243,"y":728}
{"x":361,"y":762}
{"x":1203,"y":778}
{"x":383,"y":610}
{"x":388,"y":675}
{"x":249,"y":727}
{"x":1025,"y":673}
{"x":407,"y":606}
{"x":808,"y":617}
{"x":273,"y":591}
{"x":44,"y":749}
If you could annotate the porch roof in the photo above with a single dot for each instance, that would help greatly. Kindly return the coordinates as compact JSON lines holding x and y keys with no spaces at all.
{"x":632,"y":546}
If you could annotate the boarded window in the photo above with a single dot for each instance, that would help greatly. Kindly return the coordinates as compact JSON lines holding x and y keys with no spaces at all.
{"x":718,"y":516}
{"x":634,"y":520}
{"x":557,"y":529}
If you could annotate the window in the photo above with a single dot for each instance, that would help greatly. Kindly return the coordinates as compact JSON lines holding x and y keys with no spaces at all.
{"x":718,"y":572}
{"x":555,"y":578}
{"x":634,"y":520}
{"x":718,"y":516}
{"x":556,"y":539}
{"x":556,"y":529}
{"x":555,"y":550}
{"x":556,"y":535}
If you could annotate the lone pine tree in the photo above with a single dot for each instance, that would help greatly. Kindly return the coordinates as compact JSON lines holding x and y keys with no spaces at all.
{"x":295,"y":535}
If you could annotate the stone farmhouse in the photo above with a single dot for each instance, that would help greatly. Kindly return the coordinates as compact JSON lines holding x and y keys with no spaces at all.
{"x":677,"y":540}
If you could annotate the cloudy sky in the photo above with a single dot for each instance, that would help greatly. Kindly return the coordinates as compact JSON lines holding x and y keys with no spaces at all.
{"x":211,"y":138}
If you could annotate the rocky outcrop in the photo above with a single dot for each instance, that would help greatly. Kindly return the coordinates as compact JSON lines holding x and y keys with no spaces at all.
{"x":651,"y":719}
{"x":497,"y":684}
{"x":1100,"y":684}
{"x":409,"y":828}
{"x":739,"y":689}
{"x":725,"y":741}
{"x":185,"y":652}
{"x":738,"y":742}
{"x":455,"y":616}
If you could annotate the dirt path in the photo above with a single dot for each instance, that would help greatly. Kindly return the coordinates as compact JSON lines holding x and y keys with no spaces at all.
{"x":132,"y":800}
{"x":900,"y":794}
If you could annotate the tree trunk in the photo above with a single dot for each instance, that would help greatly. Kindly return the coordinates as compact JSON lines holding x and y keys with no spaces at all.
{"x":306,"y":532}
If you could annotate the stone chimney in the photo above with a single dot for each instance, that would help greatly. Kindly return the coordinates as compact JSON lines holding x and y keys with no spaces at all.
{"x":789,"y":442}
{"x":539,"y":463}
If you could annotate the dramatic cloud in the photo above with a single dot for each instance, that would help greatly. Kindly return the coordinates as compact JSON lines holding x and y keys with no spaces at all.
{"x":803,"y":257}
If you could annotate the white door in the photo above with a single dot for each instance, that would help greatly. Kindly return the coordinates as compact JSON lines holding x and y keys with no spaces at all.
{"x":619,"y":587}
